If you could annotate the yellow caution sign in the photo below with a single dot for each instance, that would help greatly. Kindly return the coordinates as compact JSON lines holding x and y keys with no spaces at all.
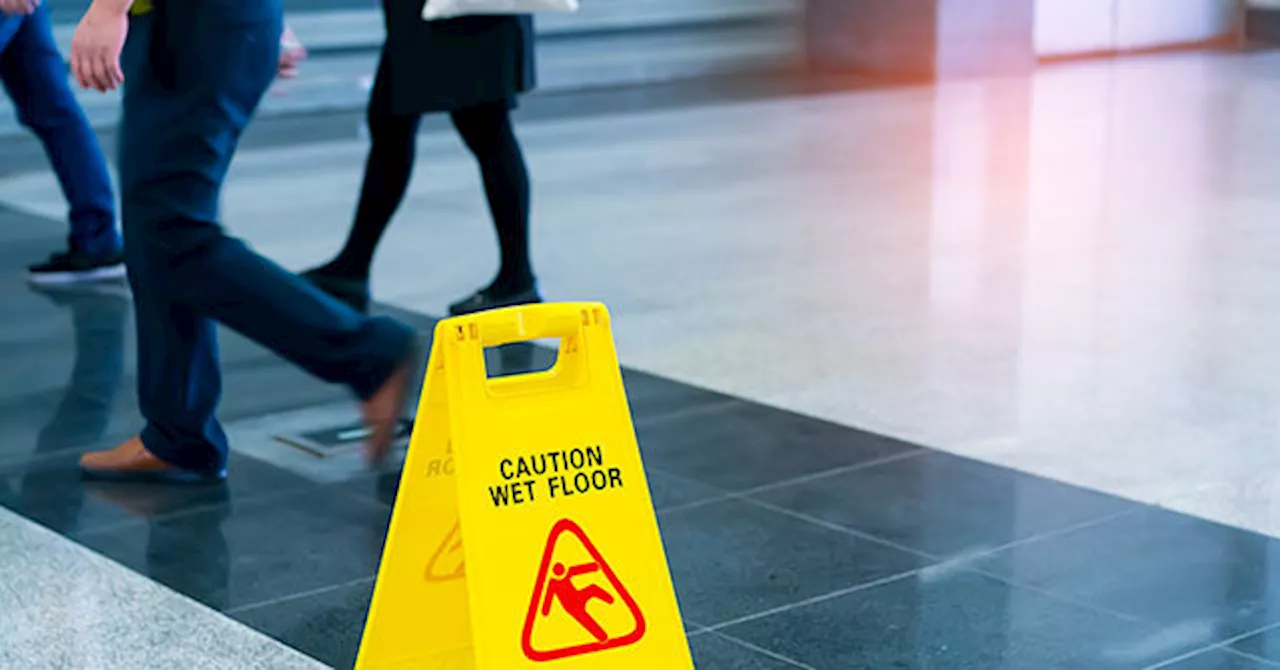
{"x":523,"y":534}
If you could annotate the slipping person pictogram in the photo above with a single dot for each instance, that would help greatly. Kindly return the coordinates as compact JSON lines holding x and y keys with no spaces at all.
{"x":575,"y":600}
{"x":555,"y":585}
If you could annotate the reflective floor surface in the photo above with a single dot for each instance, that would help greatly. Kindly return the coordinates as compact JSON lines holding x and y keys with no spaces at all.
{"x":978,"y":376}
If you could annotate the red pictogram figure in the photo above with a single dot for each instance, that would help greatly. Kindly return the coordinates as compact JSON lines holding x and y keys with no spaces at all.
{"x":555,"y":586}
{"x":575,"y":600}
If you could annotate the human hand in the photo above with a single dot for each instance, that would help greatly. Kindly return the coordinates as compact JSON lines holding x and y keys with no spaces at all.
{"x":96,"y":46}
{"x":292,"y":53}
{"x":18,"y":7}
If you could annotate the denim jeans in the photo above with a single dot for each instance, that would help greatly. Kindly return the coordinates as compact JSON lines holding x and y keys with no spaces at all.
{"x":35,"y":76}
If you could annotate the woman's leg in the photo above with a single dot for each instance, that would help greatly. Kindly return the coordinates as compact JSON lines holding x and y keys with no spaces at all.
{"x":386,"y":178}
{"x":489,"y":134}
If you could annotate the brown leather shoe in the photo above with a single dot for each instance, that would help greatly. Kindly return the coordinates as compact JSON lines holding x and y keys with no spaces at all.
{"x":132,"y":462}
{"x":383,"y":410}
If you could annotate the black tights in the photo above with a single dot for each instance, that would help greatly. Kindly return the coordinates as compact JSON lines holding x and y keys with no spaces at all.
{"x":488,"y":133}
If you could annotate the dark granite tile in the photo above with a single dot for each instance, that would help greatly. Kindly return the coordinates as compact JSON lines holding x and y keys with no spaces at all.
{"x":381,"y":487}
{"x":237,"y":556}
{"x":51,"y":492}
{"x":1222,"y":660}
{"x":326,"y":626}
{"x":945,"y":505}
{"x":654,"y":398}
{"x":668,"y":491}
{"x":1265,"y":645}
{"x":1212,"y":580}
{"x":714,"y":652}
{"x":733,"y":559}
{"x":744,"y":445}
{"x":954,"y":620}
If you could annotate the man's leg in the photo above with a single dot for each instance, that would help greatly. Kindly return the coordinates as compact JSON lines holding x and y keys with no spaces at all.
{"x":36,"y":78}
{"x":8,"y":26}
{"x":182,"y":119}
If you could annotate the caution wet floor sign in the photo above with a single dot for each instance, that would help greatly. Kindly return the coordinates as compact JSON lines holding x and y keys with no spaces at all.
{"x":523,"y":534}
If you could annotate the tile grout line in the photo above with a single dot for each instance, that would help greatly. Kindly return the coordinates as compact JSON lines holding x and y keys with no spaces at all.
{"x":724,"y":496}
{"x":252,"y":500}
{"x":941,"y":562}
{"x":693,"y":628}
{"x":1044,"y":593}
{"x":828,"y":525}
{"x":1264,"y":662}
{"x":761,"y":650}
{"x":686,"y":413}
{"x":240,"y":609}
{"x":1049,"y":534}
{"x":1011,"y":581}
{"x":1223,"y":644}
{"x":838,"y":593}
{"x":915,"y":452}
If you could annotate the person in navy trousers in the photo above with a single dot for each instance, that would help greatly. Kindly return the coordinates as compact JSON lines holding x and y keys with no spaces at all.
{"x":194,"y":72}
{"x":35,"y":77}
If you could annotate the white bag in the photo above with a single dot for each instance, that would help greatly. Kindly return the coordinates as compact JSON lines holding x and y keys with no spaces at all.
{"x":435,"y":10}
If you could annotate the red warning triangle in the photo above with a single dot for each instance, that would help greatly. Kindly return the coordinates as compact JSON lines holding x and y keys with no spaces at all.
{"x":556,"y":593}
{"x":447,"y":564}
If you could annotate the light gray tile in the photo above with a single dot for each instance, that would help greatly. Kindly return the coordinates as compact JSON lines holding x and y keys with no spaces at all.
{"x":62,"y":606}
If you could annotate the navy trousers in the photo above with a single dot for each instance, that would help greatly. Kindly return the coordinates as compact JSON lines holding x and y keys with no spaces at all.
{"x":35,"y":76}
{"x":195,"y":71}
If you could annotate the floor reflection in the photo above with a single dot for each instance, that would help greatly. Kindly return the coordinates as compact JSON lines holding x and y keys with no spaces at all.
{"x":188,"y":553}
{"x":100,"y":314}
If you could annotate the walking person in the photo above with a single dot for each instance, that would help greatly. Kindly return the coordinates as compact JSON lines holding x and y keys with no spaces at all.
{"x":194,"y":72}
{"x":474,"y":68}
{"x":35,"y":77}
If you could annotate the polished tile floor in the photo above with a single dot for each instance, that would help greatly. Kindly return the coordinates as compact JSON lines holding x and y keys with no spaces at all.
{"x":979,"y":376}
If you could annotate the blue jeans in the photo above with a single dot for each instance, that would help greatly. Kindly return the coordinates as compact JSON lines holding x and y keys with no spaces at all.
{"x":195,"y":71}
{"x":35,"y":75}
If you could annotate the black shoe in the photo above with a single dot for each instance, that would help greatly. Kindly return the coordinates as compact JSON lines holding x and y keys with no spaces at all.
{"x":491,"y":298}
{"x":353,"y":292}
{"x":71,"y":267}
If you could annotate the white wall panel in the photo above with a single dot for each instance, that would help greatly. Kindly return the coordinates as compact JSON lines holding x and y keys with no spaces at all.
{"x":1066,"y":27}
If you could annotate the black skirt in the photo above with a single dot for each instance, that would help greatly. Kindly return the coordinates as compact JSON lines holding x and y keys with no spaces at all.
{"x":437,"y":66}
